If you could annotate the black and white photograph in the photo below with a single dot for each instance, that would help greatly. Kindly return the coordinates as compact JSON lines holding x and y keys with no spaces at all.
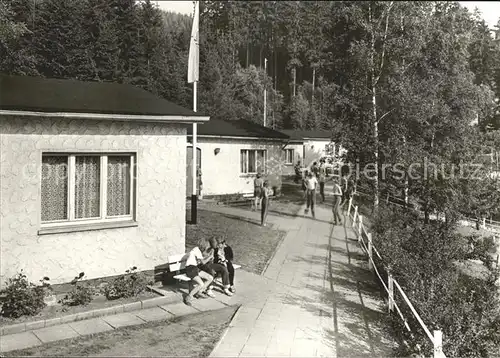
{"x":249,"y":178}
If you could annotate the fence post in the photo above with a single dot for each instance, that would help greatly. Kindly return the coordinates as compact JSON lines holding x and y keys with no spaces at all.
{"x":360,"y":226}
{"x":370,"y":252}
{"x":349,"y":207}
{"x":390,"y":287}
{"x":354,"y":217}
{"x":438,"y":344}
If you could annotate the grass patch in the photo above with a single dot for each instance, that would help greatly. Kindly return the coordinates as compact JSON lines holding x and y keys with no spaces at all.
{"x":188,"y":336}
{"x":252,"y":244}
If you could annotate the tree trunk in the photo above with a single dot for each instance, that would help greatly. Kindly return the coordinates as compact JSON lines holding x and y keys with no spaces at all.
{"x":373,"y":81}
{"x":294,"y":80}
{"x":275,"y":68}
{"x":406,"y":183}
{"x":313,"y":82}
{"x":376,"y":149}
{"x":248,"y":55}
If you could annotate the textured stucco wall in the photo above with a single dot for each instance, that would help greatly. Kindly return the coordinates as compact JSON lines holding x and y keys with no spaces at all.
{"x":221,"y":173}
{"x":289,"y":169}
{"x":161,"y":185}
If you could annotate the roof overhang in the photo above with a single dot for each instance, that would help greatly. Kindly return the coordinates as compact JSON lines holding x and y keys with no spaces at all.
{"x":144,"y":118}
{"x":239,"y":137}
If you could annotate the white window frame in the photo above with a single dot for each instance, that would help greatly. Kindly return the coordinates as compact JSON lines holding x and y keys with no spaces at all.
{"x":245,"y":172}
{"x":103,"y":217}
{"x":289,"y":161}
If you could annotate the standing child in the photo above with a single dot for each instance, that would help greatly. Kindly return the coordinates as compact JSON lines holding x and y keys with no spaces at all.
{"x":311,"y":185}
{"x":257,"y":191}
{"x":322,"y":179}
{"x":337,"y":198}
{"x":195,"y":257}
{"x":266,"y":193}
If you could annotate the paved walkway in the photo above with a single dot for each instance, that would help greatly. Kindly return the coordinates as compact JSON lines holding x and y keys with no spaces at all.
{"x":316,"y":297}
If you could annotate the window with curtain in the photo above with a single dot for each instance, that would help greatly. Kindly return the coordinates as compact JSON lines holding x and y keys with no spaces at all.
{"x":81,"y":188}
{"x":54,"y":188}
{"x":118,"y":185}
{"x":87,"y":186}
{"x":253,"y":161}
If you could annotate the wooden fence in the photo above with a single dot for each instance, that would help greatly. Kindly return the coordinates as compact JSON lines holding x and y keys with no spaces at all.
{"x":392,"y":286}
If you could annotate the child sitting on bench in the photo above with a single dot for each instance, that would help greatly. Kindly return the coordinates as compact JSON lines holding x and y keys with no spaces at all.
{"x":218,"y":268}
{"x":223,"y":254}
{"x":195,"y":257}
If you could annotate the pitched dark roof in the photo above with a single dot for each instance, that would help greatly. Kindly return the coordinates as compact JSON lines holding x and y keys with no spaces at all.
{"x":304,"y":134}
{"x":237,"y":128}
{"x":38,"y":94}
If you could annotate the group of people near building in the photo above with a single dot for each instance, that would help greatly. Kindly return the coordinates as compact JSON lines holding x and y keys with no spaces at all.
{"x":315,"y":179}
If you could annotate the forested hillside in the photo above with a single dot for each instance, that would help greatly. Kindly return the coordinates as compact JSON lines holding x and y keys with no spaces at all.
{"x":395,"y":82}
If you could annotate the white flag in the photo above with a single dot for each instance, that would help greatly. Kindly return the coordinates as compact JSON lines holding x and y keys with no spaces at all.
{"x":194,"y":47}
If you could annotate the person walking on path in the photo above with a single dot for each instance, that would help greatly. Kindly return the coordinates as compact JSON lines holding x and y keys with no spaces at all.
{"x":311,"y":184}
{"x":257,"y":192}
{"x":337,"y":198}
{"x":322,"y":179}
{"x":347,"y":186}
{"x":266,"y":193}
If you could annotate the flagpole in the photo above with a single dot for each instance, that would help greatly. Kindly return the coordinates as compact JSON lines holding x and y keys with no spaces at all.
{"x":194,"y":196}
{"x":265,"y":92}
{"x":193,"y":74}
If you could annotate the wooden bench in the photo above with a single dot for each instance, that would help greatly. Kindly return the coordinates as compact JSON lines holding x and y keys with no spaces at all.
{"x":177,"y":263}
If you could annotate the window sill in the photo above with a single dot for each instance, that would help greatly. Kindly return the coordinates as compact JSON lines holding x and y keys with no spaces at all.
{"x":87,"y":227}
{"x":251,"y":175}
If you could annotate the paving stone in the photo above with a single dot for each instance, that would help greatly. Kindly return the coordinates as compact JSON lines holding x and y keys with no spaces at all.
{"x":256,"y":344}
{"x":53,"y":322}
{"x":84,"y":315}
{"x":107,"y":311}
{"x":134,"y":306}
{"x":157,"y":301}
{"x":14,"y":328}
{"x":17,"y":341}
{"x":278,"y":350}
{"x":303,"y":348}
{"x":90,"y":326}
{"x":30,"y":326}
{"x":154,"y":314}
{"x":208,"y":304}
{"x":55,"y":333}
{"x":67,"y":318}
{"x":246,"y":316}
{"x":123,"y":320}
{"x":179,"y":309}
{"x":237,"y":336}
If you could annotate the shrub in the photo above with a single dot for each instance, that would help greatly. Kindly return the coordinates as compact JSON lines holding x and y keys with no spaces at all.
{"x":81,"y":294}
{"x":23,"y":298}
{"x":130,"y":284}
{"x":423,"y":260}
